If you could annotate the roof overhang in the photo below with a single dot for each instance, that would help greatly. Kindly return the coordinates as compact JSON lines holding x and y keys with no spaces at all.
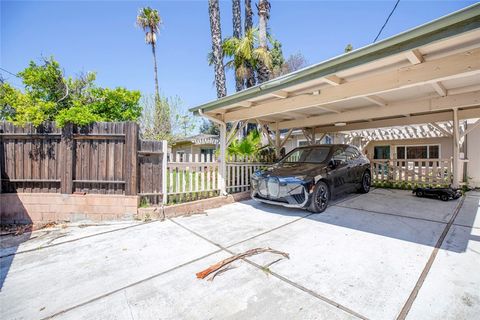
{"x":422,"y":72}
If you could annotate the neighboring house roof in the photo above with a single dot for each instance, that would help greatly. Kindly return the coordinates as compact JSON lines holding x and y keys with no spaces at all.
{"x":444,"y":27}
{"x":199,"y":139}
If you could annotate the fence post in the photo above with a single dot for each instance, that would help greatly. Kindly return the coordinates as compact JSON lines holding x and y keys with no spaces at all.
{"x":130,"y":158}
{"x":67,"y":147}
{"x":164,"y":172}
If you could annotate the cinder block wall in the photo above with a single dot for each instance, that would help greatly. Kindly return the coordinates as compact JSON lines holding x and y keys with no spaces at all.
{"x":44,"y":207}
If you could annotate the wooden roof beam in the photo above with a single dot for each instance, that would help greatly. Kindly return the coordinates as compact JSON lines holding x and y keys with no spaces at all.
{"x":280,"y":94}
{"x":244,"y":104}
{"x":455,"y":66}
{"x":439,"y":88}
{"x":377,"y":100}
{"x":329,"y":109}
{"x":414,"y":119}
{"x":414,"y":56}
{"x":393,"y":109}
{"x":333,"y":80}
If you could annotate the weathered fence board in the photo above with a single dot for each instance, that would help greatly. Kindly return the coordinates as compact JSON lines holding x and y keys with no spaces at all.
{"x":150,"y":170}
{"x":100,"y":158}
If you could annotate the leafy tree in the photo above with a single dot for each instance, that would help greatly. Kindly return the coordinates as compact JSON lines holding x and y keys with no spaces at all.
{"x":244,"y":53}
{"x":50,"y":96}
{"x":152,"y":120}
{"x":348,"y":48}
{"x":208,"y":127}
{"x":278,"y":61}
{"x":247,"y":146}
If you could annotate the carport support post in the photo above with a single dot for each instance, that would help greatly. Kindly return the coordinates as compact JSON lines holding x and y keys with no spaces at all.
{"x":222,"y":166}
{"x":456,"y":148}
{"x":277,"y":141}
{"x":222,"y":170}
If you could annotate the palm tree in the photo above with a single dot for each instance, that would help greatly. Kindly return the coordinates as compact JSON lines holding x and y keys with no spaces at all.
{"x":250,"y":79}
{"x":149,"y":20}
{"x":244,"y":53}
{"x":237,"y":33}
{"x":263,"y":72}
{"x":214,"y":12}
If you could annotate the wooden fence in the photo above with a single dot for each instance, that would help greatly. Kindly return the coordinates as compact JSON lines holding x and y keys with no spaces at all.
{"x":240,"y":170}
{"x":102,"y":158}
{"x":195,"y":177}
{"x":191,"y":178}
{"x":421,"y":171}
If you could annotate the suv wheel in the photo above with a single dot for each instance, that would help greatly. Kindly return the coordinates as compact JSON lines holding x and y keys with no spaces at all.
{"x":366,"y":182}
{"x":320,"y":198}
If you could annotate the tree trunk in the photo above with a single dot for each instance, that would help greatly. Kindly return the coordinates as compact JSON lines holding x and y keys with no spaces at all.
{"x":263,"y":73}
{"x":214,"y":12}
{"x":250,"y":79}
{"x":237,"y":33}
{"x":165,"y":114}
{"x":155,"y":71}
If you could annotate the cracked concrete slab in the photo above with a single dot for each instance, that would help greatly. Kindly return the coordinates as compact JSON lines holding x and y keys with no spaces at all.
{"x":452,"y":288}
{"x":469,"y":214}
{"x":43,"y":282}
{"x":244,"y":292}
{"x":57,"y":234}
{"x":236,"y":222}
{"x":353,"y":257}
{"x":361,"y":260}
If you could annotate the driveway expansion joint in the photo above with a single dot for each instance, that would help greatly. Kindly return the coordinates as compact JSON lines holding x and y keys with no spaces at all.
{"x":130,"y":285}
{"x":276,"y":275}
{"x":413,"y":295}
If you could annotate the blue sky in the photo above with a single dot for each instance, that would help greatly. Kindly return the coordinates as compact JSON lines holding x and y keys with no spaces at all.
{"x":101,"y":36}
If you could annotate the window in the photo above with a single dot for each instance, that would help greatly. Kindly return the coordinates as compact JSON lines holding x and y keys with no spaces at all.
{"x":340,"y":155}
{"x":418,"y":152}
{"x":352,"y":153}
{"x":207,"y":153}
{"x":433,"y":152}
{"x":310,"y":155}
{"x":400,"y":152}
{"x":381,"y":152}
{"x":304,"y":143}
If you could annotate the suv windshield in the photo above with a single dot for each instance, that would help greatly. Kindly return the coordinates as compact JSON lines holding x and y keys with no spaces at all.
{"x":312,"y":155}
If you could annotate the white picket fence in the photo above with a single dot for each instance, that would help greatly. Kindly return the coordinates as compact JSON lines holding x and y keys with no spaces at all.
{"x":240,"y":170}
{"x":421,"y":171}
{"x":195,"y":177}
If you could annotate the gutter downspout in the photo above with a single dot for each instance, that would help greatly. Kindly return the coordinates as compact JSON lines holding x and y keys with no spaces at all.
{"x":222,"y":169}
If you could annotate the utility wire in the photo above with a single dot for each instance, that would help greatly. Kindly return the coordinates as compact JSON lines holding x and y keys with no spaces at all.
{"x":386,"y":21}
{"x":13,"y":74}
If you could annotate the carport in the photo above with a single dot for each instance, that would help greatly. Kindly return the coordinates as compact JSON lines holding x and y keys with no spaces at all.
{"x":429,"y":74}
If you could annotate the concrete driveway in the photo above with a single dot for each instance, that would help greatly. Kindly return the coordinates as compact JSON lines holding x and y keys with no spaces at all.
{"x":384,"y":255}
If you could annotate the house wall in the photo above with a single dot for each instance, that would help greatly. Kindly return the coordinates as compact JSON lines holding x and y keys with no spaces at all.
{"x":190,"y":149}
{"x":473,"y":155}
{"x":446,"y":146}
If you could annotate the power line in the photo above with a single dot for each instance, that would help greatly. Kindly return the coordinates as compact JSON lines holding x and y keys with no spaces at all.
{"x":386,"y":21}
{"x":13,"y":74}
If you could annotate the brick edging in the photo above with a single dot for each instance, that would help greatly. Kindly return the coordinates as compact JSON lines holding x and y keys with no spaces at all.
{"x":188,"y":208}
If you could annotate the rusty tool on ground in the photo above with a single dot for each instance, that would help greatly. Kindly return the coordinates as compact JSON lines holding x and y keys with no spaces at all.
{"x":219,"y":265}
